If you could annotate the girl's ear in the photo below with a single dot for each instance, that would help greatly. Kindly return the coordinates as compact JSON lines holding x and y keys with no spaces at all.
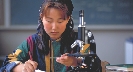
{"x":68,"y":18}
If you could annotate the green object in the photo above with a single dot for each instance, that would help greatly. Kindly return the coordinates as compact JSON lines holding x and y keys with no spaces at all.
{"x":120,"y":67}
{"x":123,"y":65}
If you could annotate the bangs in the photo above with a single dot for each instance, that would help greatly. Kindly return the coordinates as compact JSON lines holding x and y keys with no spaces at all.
{"x":62,"y":7}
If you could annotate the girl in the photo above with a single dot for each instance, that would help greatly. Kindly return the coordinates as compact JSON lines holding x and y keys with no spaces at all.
{"x":47,"y":49}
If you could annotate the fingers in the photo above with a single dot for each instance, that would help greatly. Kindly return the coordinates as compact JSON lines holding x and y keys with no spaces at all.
{"x":66,"y":60}
{"x":33,"y":63}
{"x":61,"y":59}
{"x":30,"y":66}
{"x":65,"y":54}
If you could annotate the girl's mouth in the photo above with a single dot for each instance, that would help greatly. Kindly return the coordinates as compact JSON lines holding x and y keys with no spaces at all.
{"x":54,"y":32}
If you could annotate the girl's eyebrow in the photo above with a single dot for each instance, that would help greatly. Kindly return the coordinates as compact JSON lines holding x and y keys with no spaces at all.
{"x":58,"y":19}
{"x":61,"y":18}
{"x":48,"y":17}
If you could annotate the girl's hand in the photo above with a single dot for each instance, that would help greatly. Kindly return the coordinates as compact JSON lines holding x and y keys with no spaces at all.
{"x":67,"y":60}
{"x":29,"y":66}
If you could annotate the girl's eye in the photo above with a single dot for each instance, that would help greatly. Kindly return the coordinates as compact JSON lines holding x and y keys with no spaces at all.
{"x":49,"y":21}
{"x":60,"y":21}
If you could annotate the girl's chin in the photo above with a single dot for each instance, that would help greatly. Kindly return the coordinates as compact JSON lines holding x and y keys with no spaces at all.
{"x":54,"y":38}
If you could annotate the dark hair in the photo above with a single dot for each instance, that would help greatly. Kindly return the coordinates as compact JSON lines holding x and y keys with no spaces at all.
{"x":65,"y":6}
{"x":67,"y":39}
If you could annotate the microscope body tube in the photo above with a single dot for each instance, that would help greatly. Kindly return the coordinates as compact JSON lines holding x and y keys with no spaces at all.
{"x":81,"y":27}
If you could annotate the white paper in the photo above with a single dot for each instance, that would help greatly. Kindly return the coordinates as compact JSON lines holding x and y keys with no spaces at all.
{"x":39,"y":71}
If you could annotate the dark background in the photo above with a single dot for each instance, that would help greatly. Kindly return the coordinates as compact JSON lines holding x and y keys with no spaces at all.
{"x":97,"y":12}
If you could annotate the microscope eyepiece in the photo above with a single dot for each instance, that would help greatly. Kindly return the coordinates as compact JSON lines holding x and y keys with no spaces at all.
{"x":81,"y":13}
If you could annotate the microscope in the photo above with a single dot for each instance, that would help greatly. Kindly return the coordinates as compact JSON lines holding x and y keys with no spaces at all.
{"x":90,"y":61}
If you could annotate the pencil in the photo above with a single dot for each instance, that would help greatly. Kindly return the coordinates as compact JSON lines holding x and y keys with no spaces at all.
{"x":30,"y":56}
{"x":53,"y":57}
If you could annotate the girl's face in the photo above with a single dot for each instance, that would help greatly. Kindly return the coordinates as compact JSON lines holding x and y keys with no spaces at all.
{"x":54,"y":23}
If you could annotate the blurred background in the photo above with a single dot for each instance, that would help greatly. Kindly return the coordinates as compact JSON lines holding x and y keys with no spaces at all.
{"x":111,"y":22}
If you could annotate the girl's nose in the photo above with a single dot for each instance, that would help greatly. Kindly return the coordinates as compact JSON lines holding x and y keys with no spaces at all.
{"x":54,"y":26}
